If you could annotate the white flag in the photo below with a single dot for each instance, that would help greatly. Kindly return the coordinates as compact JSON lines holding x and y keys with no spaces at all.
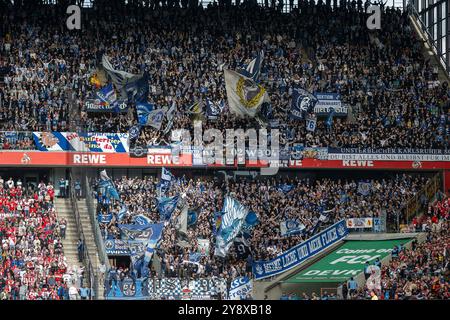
{"x":245,"y":97}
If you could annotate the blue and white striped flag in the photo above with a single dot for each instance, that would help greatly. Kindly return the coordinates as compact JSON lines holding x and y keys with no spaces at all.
{"x":107,"y":95}
{"x":124,"y":81}
{"x":233,"y":218}
{"x":253,"y":69}
{"x":142,"y":220}
{"x":166,"y":206}
{"x":143,"y":110}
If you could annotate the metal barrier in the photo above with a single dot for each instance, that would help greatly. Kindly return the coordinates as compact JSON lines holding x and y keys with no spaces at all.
{"x":414,"y":205}
{"x":90,"y":272}
{"x":95,"y":226}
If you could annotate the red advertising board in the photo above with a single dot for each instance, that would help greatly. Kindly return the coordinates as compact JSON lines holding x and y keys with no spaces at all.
{"x":166,"y":159}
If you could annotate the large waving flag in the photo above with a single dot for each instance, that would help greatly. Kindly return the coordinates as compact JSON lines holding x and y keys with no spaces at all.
{"x":125,"y":82}
{"x":329,"y":121}
{"x":166,"y":206}
{"x":143,"y":110}
{"x":148,"y":116}
{"x":107,"y":187}
{"x":166,"y":180}
{"x":107,"y":95}
{"x":233,"y":218}
{"x":141,"y":263}
{"x":212,"y":110}
{"x":170,"y":116}
{"x":253,"y":69}
{"x":303,"y":102}
{"x":245,"y":96}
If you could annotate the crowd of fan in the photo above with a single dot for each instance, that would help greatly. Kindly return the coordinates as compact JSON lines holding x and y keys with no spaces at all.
{"x":32,"y":261}
{"x":420,"y":273}
{"x":394,"y":93}
{"x":304,"y":203}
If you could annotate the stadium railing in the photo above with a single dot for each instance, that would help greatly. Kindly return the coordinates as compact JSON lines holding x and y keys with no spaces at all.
{"x":90,"y":272}
{"x":428,"y":37}
{"x":95,"y":226}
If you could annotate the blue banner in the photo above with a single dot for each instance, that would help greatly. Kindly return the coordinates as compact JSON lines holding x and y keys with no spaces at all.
{"x":303,"y":102}
{"x":166,"y":206}
{"x":104,"y":218}
{"x":117,"y":247}
{"x":301,"y":252}
{"x":168,"y":288}
{"x":134,"y":231}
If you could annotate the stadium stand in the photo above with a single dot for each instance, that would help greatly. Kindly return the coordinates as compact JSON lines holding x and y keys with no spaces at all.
{"x":137,"y":73}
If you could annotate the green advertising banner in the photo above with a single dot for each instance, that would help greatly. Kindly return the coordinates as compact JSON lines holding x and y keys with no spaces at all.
{"x":347,"y":261}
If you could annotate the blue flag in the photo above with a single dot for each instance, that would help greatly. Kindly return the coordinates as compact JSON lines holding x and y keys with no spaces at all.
{"x":143,"y":110}
{"x":122,"y":212}
{"x":364,"y":188}
{"x":142,"y":220}
{"x":303,"y":102}
{"x":107,"y":95}
{"x":134,"y":132}
{"x":329,"y":121}
{"x":285,"y":188}
{"x":192,"y":218}
{"x":253,"y":69}
{"x":166,"y":206}
{"x":107,"y":187}
{"x":291,"y":227}
{"x":233,"y":218}
{"x":212,"y":110}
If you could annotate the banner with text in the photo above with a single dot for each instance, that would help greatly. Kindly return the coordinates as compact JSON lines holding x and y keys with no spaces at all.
{"x":301,"y":252}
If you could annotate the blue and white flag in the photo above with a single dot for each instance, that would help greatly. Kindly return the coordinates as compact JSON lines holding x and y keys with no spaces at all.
{"x":291,"y":227}
{"x":253,"y":69}
{"x":233,"y":218}
{"x":251,"y":220}
{"x":143,"y":110}
{"x":311,"y":124}
{"x":155,"y":118}
{"x":195,"y":257}
{"x":125,"y":82}
{"x":166,"y":181}
{"x":107,"y":187}
{"x":240,"y":288}
{"x":364,"y":188}
{"x":105,"y":218}
{"x":134,"y":132}
{"x":303,"y":102}
{"x":107,"y":95}
{"x":136,"y":231}
{"x":142,"y":220}
{"x":166,"y":175}
{"x":285,"y":188}
{"x":123,"y":211}
{"x":156,"y":231}
{"x":166,"y":206}
{"x":212,"y":110}
{"x":329,"y":121}
{"x":192,"y":218}
{"x":170,"y":117}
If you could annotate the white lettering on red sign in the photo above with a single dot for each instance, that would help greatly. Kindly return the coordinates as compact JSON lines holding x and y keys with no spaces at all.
{"x":89,"y":159}
{"x":357,"y":163}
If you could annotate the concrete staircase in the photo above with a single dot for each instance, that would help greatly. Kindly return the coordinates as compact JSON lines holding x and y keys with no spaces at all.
{"x":64,"y":210}
{"x":90,"y":242}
